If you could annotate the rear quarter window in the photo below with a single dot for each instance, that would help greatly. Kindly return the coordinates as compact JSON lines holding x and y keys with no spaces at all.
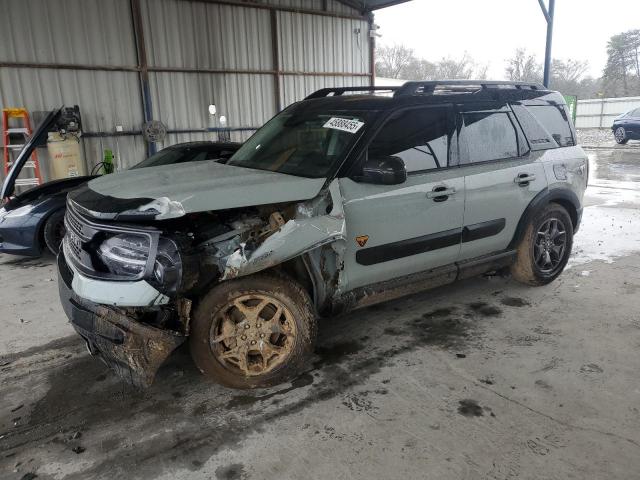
{"x":555,"y":121}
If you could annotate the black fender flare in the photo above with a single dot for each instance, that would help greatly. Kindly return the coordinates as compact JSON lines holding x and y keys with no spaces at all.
{"x":565,"y":197}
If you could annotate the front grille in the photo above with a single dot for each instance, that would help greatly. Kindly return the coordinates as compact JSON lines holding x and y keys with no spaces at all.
{"x":75,"y":245}
{"x":73,"y":223}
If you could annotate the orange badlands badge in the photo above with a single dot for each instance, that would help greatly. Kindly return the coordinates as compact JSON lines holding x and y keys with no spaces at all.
{"x":362,"y":240}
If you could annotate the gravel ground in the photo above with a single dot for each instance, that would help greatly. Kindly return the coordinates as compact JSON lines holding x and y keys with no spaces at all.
{"x":483,"y":379}
{"x":595,"y":137}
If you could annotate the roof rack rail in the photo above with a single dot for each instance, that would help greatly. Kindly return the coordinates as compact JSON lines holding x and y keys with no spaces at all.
{"x":428,"y":87}
{"x":324,"y":92}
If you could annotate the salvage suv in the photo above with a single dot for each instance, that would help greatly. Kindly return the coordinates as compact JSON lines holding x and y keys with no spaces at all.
{"x":350,"y":197}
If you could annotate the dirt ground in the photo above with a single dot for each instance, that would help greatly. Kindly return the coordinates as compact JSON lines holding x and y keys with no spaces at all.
{"x":482,"y":379}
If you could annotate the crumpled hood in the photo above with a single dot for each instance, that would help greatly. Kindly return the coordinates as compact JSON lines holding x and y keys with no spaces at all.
{"x":175,"y":190}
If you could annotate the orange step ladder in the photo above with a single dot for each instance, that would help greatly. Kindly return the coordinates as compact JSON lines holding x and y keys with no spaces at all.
{"x":12,"y":150}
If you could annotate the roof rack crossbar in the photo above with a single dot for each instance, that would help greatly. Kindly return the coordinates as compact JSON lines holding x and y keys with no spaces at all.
{"x":411,"y":88}
{"x":324,"y":92}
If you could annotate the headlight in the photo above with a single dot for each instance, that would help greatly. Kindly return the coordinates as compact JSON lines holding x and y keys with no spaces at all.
{"x":125,"y":254}
{"x":167,"y":268}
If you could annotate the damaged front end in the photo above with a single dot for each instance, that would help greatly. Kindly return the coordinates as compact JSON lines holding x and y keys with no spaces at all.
{"x":128,"y":289}
{"x":309,"y":225}
{"x":133,"y":349}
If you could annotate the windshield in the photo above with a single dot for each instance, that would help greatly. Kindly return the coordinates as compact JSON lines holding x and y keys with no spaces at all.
{"x":303,"y":143}
{"x":182,"y":154}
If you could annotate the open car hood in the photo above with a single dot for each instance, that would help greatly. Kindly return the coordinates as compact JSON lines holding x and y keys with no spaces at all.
{"x":171,"y":191}
{"x":38,"y":137}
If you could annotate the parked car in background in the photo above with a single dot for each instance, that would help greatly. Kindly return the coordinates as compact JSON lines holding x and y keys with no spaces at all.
{"x":34,"y":220}
{"x":627,"y":126}
{"x":338,"y":202}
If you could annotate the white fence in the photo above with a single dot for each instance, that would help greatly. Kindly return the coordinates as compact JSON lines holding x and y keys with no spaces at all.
{"x":600,"y":112}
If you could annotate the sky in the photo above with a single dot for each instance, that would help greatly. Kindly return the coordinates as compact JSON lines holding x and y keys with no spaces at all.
{"x":491,"y":30}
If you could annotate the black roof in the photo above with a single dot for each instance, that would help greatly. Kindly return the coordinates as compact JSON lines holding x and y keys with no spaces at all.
{"x":429,"y":92}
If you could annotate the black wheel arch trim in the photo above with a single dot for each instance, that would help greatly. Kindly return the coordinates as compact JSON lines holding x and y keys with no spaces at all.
{"x":565,"y":197}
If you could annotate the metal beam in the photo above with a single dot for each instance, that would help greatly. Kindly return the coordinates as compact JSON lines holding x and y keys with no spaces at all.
{"x":71,"y":66}
{"x":136,"y":69}
{"x":141,"y":54}
{"x":548,"y":15}
{"x":262,"y":6}
{"x":275,"y":54}
{"x":372,"y":52}
{"x":543,"y":7}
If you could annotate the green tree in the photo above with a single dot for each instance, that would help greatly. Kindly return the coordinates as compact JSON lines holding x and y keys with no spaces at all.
{"x":621,"y":75}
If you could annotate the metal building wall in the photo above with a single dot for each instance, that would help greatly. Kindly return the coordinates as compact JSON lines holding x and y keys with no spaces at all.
{"x":600,"y":112}
{"x":197,"y":52}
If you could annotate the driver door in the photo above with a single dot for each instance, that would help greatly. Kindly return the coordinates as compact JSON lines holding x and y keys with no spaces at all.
{"x":398,"y":230}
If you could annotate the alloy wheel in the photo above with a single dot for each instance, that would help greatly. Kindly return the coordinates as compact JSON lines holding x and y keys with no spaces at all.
{"x":253,"y":334}
{"x":550,"y":245}
{"x":620,"y":134}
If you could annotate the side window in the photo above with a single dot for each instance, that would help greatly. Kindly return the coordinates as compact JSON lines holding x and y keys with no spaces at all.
{"x":538,"y":137}
{"x":555,"y":120}
{"x":635,"y":113}
{"x":421,"y":137}
{"x":486,"y":136}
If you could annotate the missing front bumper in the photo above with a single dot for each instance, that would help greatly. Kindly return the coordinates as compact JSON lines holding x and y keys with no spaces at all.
{"x":133,"y":350}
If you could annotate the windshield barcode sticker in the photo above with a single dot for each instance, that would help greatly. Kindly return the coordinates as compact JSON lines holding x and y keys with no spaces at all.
{"x":344,"y":124}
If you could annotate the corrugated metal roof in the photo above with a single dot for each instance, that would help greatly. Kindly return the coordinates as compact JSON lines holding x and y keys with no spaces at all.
{"x":106,"y":99}
{"x":207,"y":36}
{"x":309,"y":43}
{"x":370,"y":5}
{"x":181,"y":100}
{"x":67,"y":31}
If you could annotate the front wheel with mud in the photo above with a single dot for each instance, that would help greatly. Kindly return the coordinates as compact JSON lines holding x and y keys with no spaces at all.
{"x":252,"y":332}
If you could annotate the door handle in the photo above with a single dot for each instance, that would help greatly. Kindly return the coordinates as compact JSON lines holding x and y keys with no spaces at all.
{"x":441,"y":193}
{"x":523,"y":179}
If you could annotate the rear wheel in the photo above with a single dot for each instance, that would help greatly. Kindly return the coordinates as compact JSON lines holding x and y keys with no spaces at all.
{"x":54,"y":231}
{"x":620,"y":135}
{"x":253,"y":332}
{"x":545,"y":247}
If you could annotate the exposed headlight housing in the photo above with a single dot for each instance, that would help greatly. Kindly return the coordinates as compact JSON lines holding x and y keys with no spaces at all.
{"x":129,"y":256}
{"x":125,"y":254}
{"x":167,"y":267}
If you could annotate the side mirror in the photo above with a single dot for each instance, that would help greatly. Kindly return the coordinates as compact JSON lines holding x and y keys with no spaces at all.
{"x":387,"y":170}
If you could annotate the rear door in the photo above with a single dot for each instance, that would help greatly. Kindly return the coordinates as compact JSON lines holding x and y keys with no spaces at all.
{"x":397,"y":230}
{"x":501,"y":177}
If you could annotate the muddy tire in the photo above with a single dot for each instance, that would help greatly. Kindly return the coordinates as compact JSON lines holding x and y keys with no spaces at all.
{"x":54,"y":230}
{"x":545,"y":247}
{"x":254,"y":331}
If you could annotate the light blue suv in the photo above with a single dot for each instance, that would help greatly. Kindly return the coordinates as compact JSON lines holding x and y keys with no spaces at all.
{"x":350,"y":197}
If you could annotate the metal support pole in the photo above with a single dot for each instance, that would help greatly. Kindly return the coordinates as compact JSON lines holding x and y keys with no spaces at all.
{"x":548,"y":15}
{"x":372,"y":52}
{"x":275,"y":52}
{"x":141,"y":53}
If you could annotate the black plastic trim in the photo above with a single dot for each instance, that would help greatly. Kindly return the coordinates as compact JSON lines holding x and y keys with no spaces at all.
{"x":481,"y":230}
{"x":406,"y":248}
{"x":428,"y":243}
